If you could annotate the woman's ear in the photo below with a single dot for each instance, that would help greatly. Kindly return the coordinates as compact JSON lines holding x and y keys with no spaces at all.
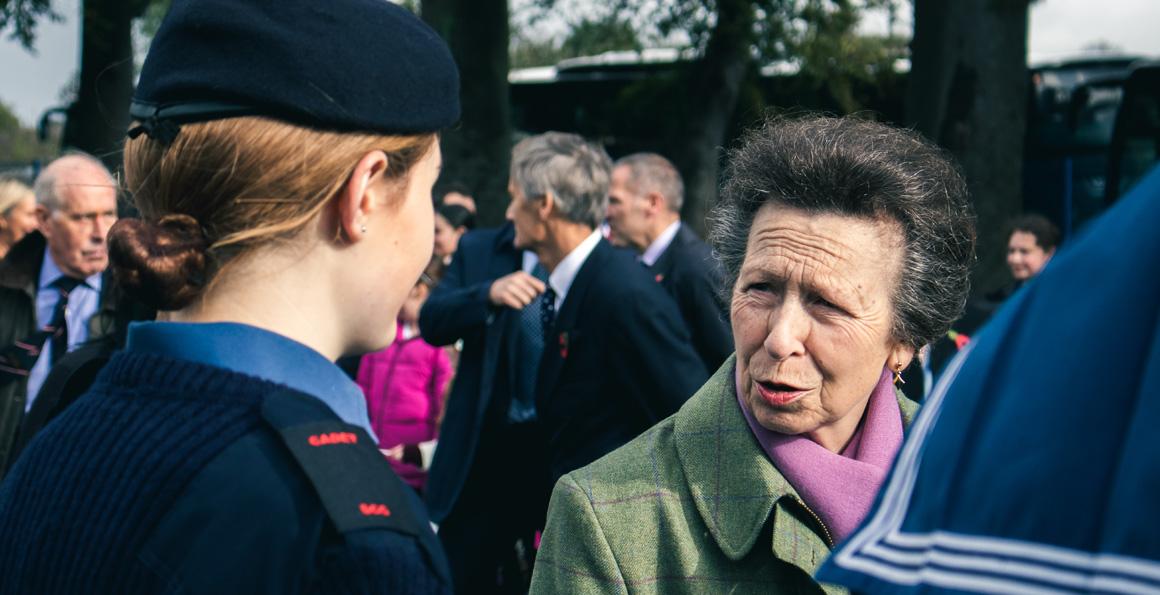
{"x":362,"y":195}
{"x":900,"y":354}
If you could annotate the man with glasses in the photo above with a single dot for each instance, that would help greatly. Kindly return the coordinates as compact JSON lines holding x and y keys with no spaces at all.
{"x":51,"y":283}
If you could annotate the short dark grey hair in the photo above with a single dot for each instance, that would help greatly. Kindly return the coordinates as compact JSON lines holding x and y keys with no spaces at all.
{"x":650,"y":172}
{"x":859,"y":168}
{"x":45,"y":186}
{"x":575,"y":171}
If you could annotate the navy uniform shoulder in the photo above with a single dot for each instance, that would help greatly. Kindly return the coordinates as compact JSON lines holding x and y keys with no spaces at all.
{"x":361,"y":495}
{"x":262,"y":518}
{"x":249,"y":521}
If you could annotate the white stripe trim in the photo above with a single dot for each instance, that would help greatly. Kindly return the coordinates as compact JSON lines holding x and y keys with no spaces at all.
{"x":882,"y":535}
{"x":954,"y":562}
{"x":1012,"y":548}
{"x":999,"y":577}
{"x":950,"y":580}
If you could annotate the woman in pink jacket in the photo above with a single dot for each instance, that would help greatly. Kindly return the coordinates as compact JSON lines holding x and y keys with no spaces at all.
{"x":404,"y":385}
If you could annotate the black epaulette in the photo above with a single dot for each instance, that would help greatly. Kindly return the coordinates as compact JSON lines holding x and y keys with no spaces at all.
{"x":356,"y":484}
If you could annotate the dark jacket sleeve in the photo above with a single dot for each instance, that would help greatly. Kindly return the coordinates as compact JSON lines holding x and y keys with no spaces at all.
{"x":708,"y":325}
{"x":656,"y":355}
{"x":458,"y":306}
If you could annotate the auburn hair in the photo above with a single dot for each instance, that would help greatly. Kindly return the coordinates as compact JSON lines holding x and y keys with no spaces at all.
{"x":225,"y":187}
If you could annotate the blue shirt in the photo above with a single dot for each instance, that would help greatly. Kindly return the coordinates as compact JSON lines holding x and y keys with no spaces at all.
{"x":256,"y":352}
{"x":83,"y":302}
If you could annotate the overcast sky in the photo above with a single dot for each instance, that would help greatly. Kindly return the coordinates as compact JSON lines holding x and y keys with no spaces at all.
{"x":30,"y":84}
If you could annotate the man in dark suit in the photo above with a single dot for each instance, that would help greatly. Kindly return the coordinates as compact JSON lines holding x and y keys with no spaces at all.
{"x":644,"y":214}
{"x":53,"y":279}
{"x":617,"y":357}
{"x":483,"y":488}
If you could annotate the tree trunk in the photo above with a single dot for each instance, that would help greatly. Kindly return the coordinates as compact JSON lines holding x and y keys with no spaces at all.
{"x":478,"y":150}
{"x":967,"y":90}
{"x":98,"y":118}
{"x":715,"y":84}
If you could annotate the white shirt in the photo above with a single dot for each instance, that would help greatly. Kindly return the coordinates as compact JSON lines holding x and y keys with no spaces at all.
{"x":561,"y":279}
{"x":659,"y":245}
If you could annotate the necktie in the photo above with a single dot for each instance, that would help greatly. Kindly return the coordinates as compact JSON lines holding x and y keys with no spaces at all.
{"x":531,"y":344}
{"x":548,"y":312}
{"x":17,"y":359}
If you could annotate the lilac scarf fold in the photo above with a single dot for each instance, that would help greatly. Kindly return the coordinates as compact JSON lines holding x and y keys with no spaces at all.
{"x":840,"y":488}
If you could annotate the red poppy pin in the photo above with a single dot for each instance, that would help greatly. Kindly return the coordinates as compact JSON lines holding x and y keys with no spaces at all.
{"x":564,"y":345}
{"x":960,"y":339}
{"x":660,"y":277}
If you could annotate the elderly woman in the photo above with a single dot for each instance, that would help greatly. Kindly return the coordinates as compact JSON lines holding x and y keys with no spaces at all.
{"x":846,"y":245}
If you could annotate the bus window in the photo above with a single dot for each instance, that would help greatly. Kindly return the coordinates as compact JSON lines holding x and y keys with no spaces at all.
{"x":1136,"y":142}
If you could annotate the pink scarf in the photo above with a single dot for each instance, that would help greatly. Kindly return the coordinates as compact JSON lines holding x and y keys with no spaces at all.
{"x":839,"y":487}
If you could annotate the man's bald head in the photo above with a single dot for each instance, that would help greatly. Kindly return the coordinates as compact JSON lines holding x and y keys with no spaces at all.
{"x":76,"y":204}
{"x":72,"y":169}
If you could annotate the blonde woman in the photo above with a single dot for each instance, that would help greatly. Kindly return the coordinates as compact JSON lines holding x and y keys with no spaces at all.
{"x":17,"y":213}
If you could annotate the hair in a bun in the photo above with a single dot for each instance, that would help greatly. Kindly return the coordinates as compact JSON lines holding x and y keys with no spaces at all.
{"x":229,"y":187}
{"x":163,"y":263}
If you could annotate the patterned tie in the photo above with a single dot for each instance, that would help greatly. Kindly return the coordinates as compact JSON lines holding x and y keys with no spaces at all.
{"x":531,"y":347}
{"x":548,"y":312}
{"x":17,"y":359}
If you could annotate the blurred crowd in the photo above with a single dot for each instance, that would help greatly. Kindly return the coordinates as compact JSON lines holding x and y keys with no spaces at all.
{"x":278,"y":379}
{"x":484,"y":399}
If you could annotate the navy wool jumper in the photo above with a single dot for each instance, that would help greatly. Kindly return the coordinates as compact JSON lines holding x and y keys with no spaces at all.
{"x":167,"y":476}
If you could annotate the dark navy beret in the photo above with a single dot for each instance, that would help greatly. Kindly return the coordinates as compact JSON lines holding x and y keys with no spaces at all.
{"x":365,"y":65}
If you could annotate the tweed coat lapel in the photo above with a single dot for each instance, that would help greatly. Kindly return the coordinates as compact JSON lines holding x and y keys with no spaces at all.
{"x":734,"y":485}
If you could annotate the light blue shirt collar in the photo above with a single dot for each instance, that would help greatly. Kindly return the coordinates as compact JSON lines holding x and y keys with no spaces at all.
{"x":256,"y":352}
{"x":83,"y":301}
{"x":49,"y":273}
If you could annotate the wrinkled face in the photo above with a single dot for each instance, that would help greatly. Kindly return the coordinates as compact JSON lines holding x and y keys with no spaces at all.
{"x":1025,"y":257}
{"x":627,"y":212}
{"x":812,"y":315}
{"x":20,"y":220}
{"x":524,"y":214}
{"x":446,"y":236}
{"x":77,"y":231}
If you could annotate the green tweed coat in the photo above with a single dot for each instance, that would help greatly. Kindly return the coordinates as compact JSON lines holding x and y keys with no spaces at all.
{"x":693,"y":505}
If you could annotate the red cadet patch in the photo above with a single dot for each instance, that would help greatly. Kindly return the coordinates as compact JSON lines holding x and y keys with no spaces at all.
{"x":332,"y":438}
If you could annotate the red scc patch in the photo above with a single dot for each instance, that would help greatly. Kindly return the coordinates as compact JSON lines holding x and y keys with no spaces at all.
{"x":374,"y":509}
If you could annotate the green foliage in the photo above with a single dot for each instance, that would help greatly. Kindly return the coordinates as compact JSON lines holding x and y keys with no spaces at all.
{"x":150,"y":20}
{"x":587,"y":36}
{"x":18,"y":143}
{"x":818,"y":38}
{"x":834,"y":56}
{"x":21,"y":16}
